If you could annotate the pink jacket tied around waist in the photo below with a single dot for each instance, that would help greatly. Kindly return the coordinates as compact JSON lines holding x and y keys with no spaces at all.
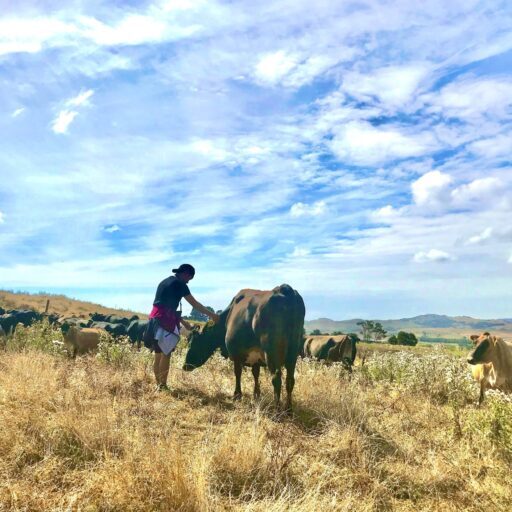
{"x":167,"y":318}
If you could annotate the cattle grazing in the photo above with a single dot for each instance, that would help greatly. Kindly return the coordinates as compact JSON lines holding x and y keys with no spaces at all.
{"x":72,"y":321}
{"x":492,"y":360}
{"x":112,"y":328}
{"x":258,"y":328}
{"x":80,"y":341}
{"x":332,"y":349}
{"x":26,"y":317}
{"x":136,"y":331}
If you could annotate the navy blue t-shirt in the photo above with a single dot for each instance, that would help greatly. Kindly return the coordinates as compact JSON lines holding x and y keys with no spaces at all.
{"x":170,"y":291}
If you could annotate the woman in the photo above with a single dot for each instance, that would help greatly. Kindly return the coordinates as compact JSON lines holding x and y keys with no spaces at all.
{"x":167,"y":299}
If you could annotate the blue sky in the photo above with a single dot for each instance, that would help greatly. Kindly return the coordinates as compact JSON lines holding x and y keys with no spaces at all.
{"x":360,"y":151}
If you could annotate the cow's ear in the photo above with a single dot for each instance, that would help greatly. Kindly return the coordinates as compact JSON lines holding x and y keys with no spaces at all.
{"x":474,"y":337}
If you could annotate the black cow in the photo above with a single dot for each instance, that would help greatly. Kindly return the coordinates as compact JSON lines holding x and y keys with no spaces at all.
{"x":26,"y":317}
{"x":114,"y":329}
{"x":136,"y":331}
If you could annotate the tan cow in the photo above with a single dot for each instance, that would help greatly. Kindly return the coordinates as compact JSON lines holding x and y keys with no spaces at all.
{"x":80,"y":341}
{"x":492,"y":360}
{"x":341,"y":348}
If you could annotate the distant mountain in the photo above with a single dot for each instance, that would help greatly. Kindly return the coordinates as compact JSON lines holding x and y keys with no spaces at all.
{"x":431,"y":324}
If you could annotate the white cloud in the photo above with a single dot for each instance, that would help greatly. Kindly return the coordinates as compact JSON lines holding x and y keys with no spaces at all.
{"x":385,"y":214}
{"x":471,"y":98}
{"x":81,"y":99}
{"x":63,"y":120}
{"x":312,"y":210}
{"x":18,"y":112}
{"x":484,"y":235}
{"x":65,"y":117}
{"x":432,"y":255}
{"x":393,"y":86}
{"x":492,"y":147}
{"x":112,"y":229}
{"x":432,"y":190}
{"x":272,"y":67}
{"x":1,"y":217}
{"x":481,"y":189}
{"x":18,"y":35}
{"x":363,"y":144}
{"x":300,"y":252}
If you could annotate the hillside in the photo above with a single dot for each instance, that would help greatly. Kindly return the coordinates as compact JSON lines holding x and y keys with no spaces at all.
{"x":422,"y":325}
{"x":59,"y":304}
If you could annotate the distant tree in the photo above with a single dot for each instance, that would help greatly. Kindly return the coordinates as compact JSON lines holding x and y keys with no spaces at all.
{"x":316,"y":332}
{"x":407,"y":338}
{"x":337,"y":333}
{"x":378,"y":332}
{"x":393,"y":340}
{"x":367,"y":327}
{"x":198,"y":316}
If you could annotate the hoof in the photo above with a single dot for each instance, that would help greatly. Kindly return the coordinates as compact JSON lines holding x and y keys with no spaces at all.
{"x":237,"y":396}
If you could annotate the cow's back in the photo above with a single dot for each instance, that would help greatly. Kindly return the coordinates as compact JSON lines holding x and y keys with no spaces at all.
{"x":83,"y":340}
{"x":279,"y":322}
{"x":270,"y":319}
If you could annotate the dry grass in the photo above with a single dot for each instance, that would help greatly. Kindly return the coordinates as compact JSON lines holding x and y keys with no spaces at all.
{"x":94,"y":436}
{"x":59,"y":304}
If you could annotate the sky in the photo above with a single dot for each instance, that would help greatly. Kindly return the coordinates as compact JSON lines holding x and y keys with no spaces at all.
{"x":360,"y":151}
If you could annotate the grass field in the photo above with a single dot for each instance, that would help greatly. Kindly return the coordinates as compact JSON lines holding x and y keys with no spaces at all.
{"x":92,"y":435}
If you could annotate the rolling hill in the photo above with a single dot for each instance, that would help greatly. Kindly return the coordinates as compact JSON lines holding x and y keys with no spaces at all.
{"x":59,"y":304}
{"x":423,"y":325}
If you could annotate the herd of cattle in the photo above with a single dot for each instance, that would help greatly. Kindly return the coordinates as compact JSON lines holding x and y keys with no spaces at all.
{"x":259,"y":328}
{"x":115,"y":325}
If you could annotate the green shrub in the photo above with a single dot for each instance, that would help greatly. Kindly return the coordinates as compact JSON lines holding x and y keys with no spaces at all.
{"x":442,"y":378}
{"x":39,"y":336}
{"x":116,"y":352}
{"x":492,"y":423}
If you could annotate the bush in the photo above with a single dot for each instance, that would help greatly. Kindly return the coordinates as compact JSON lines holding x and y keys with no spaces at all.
{"x":493,"y":423}
{"x":407,"y":338}
{"x":443,"y":378}
{"x":40,"y":336}
{"x":118,"y":352}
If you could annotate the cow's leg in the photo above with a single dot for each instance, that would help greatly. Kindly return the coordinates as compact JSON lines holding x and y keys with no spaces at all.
{"x":256,"y":375}
{"x":482,"y":393}
{"x":290,"y":383}
{"x":238,"y":379}
{"x":276,"y":382}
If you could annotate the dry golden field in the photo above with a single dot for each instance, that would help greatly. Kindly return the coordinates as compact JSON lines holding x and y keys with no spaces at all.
{"x":59,"y":304}
{"x":93,"y":435}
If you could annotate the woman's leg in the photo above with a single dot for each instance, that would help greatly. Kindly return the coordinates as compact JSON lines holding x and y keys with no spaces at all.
{"x":156,"y":367}
{"x":165,"y":362}
{"x":161,"y":368}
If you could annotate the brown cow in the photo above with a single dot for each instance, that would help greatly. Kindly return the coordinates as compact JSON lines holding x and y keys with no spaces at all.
{"x":258,"y":328}
{"x":80,"y":341}
{"x":492,"y":360}
{"x":340,"y":348}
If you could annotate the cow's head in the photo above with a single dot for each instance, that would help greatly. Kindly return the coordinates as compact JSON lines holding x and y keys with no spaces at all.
{"x":203,"y":341}
{"x":483,"y":347}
